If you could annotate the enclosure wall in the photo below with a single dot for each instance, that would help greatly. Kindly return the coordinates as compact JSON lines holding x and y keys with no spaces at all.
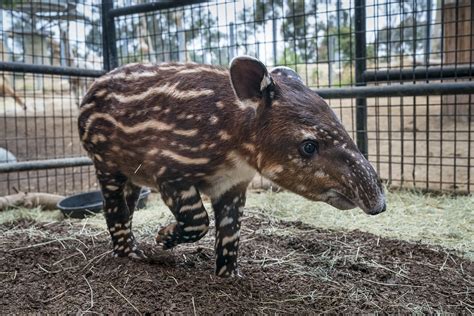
{"x":398,"y":74}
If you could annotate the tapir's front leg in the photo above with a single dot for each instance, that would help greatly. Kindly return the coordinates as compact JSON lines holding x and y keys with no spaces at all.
{"x":228,"y":209}
{"x":192,"y":221}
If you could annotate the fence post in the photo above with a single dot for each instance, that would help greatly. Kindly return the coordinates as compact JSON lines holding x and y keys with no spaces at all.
{"x":360,"y":67}
{"x":109,"y":46}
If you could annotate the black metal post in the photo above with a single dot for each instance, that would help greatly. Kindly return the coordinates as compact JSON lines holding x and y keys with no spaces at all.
{"x":428,"y":32}
{"x":152,"y":6}
{"x":398,"y":90}
{"x":11,"y":66}
{"x":419,"y":73}
{"x":108,"y":36}
{"x":360,"y":67}
{"x":45,"y":164}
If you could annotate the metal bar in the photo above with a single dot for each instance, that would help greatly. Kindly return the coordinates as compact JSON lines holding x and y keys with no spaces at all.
{"x":106,"y":6}
{"x":50,"y":70}
{"x":109,"y":36}
{"x":360,"y":68}
{"x":154,"y":6}
{"x":427,"y":44}
{"x":422,"y":73}
{"x":398,"y":90}
{"x":44,"y":164}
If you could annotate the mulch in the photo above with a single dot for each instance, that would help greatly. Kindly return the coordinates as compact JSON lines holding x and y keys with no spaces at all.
{"x":287,"y":267}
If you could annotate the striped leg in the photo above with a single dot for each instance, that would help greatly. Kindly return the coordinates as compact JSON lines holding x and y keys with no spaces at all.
{"x":132,"y":193}
{"x":192,"y":223}
{"x":228,"y":210}
{"x":118,"y":216}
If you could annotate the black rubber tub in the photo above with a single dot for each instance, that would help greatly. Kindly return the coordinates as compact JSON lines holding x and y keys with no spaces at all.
{"x":83,"y":204}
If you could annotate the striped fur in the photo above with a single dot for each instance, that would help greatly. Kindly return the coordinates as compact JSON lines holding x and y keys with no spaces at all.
{"x":187,"y":129}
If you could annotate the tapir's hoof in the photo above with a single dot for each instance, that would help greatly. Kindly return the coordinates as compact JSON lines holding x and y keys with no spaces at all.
{"x":130,"y":251}
{"x":167,"y":236}
{"x":234,"y":274}
{"x":237,"y":274}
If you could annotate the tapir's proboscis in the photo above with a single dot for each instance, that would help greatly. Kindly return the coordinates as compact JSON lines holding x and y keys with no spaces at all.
{"x":190,"y":129}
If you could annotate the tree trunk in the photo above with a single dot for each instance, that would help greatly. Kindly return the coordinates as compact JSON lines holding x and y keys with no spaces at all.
{"x":458,"y":50}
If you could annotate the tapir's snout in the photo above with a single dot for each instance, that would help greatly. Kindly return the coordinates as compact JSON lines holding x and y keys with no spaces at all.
{"x":370,"y":196}
{"x":379,"y":208}
{"x":355,"y":182}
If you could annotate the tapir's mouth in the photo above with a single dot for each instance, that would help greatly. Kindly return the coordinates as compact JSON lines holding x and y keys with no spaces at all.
{"x":339,"y":200}
{"x":342,"y":202}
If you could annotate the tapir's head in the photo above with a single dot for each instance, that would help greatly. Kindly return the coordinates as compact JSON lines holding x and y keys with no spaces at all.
{"x":301,"y":144}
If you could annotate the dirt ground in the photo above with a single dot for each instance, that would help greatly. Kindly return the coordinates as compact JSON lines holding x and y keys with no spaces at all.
{"x":287,"y":267}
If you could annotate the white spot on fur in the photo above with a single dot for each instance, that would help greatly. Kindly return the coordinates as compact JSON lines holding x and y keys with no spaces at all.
{"x":226,"y":221}
{"x":166,"y":89}
{"x":246,"y":104}
{"x":121,"y":232}
{"x":153,"y":152}
{"x":200,"y":215}
{"x":222,"y":270}
{"x":320,"y":174}
{"x":112,"y":187}
{"x":98,"y":138}
{"x":213,"y":119}
{"x":188,"y":193}
{"x":229,"y":239}
{"x":199,"y":228}
{"x":224,"y":135}
{"x":185,"y":160}
{"x":98,"y":157}
{"x":183,"y":132}
{"x":204,"y":69}
{"x":191,"y":207}
{"x":149,"y":124}
{"x":250,"y":147}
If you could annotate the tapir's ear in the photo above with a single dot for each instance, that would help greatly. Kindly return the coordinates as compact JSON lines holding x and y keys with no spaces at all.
{"x":286,"y":72}
{"x":250,"y":78}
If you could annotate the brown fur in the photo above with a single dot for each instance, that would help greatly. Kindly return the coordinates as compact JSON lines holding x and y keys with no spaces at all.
{"x":197,"y":128}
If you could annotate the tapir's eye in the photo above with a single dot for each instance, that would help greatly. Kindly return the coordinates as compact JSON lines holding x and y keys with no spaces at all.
{"x":308,"y":148}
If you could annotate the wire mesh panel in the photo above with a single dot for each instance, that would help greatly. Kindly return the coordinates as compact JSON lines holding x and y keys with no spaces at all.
{"x":413,"y":139}
{"x":314,"y":37}
{"x":38,"y":111}
{"x":424,"y":142}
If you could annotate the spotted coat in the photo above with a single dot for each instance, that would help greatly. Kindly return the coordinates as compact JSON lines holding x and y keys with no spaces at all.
{"x":190,"y":129}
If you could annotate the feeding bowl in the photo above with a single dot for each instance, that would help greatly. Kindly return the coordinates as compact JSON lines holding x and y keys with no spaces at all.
{"x":83,"y":204}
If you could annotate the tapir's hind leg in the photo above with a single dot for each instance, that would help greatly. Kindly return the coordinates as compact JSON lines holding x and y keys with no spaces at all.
{"x":132,"y":193}
{"x":192,"y":221}
{"x":118,"y":215}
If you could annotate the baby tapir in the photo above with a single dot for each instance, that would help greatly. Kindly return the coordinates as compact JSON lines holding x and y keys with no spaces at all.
{"x":188,"y":129}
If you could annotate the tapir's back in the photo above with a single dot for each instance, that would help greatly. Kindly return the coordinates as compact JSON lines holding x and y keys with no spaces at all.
{"x":139,"y":92}
{"x":138,"y":115}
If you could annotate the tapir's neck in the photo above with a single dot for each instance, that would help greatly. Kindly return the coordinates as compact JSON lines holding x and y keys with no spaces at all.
{"x":244,"y":133}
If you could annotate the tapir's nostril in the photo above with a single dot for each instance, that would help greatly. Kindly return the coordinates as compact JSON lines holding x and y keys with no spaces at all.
{"x":378,"y":210}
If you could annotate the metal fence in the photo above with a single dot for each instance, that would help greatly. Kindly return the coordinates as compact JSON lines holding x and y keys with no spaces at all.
{"x":397,"y":73}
